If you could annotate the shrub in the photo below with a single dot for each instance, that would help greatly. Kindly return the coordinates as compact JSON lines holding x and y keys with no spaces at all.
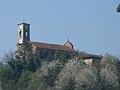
{"x":45,"y":76}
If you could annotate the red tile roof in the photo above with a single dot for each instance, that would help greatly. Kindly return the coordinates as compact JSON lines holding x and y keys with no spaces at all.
{"x":52,"y":46}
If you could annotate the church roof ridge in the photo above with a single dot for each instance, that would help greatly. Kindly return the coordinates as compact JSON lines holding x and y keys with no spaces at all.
{"x":47,"y":43}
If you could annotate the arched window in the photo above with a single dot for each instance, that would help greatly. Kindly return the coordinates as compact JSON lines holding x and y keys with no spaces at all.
{"x":20,"y":33}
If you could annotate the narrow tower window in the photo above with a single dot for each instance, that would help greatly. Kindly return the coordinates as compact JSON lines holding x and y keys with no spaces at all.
{"x":26,"y":34}
{"x":20,"y":33}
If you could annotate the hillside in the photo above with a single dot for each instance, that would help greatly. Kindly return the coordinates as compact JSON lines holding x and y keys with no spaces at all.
{"x":60,"y":73}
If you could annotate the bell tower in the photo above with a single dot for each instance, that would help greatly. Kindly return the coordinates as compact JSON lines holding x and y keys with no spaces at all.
{"x":23,"y":33}
{"x":24,"y":46}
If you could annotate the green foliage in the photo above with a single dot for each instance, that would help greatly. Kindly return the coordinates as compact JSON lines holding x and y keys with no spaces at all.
{"x":15,"y":73}
{"x":5,"y":72}
{"x":59,"y":72}
{"x":55,"y":55}
{"x":45,"y":76}
{"x":7,"y":77}
{"x":24,"y":79}
{"x":82,"y":54}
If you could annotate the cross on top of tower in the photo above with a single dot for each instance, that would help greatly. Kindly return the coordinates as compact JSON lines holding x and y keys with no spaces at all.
{"x":67,"y":38}
{"x":23,"y":20}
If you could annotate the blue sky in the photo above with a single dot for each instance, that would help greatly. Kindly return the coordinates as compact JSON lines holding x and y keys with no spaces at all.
{"x":93,"y":26}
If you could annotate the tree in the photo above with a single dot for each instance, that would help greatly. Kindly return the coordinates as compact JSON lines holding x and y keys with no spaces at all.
{"x":82,"y":54}
{"x":6,"y":77}
{"x":24,"y":79}
{"x":87,"y":79}
{"x":109,"y":80}
{"x":45,"y":76}
{"x":66,"y":78}
{"x":109,"y":74}
{"x":8,"y":57}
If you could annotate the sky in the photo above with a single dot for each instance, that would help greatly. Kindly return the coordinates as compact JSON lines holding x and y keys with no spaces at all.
{"x":93,"y":26}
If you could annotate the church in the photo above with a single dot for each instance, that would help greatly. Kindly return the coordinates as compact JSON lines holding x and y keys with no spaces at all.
{"x":26,"y":48}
